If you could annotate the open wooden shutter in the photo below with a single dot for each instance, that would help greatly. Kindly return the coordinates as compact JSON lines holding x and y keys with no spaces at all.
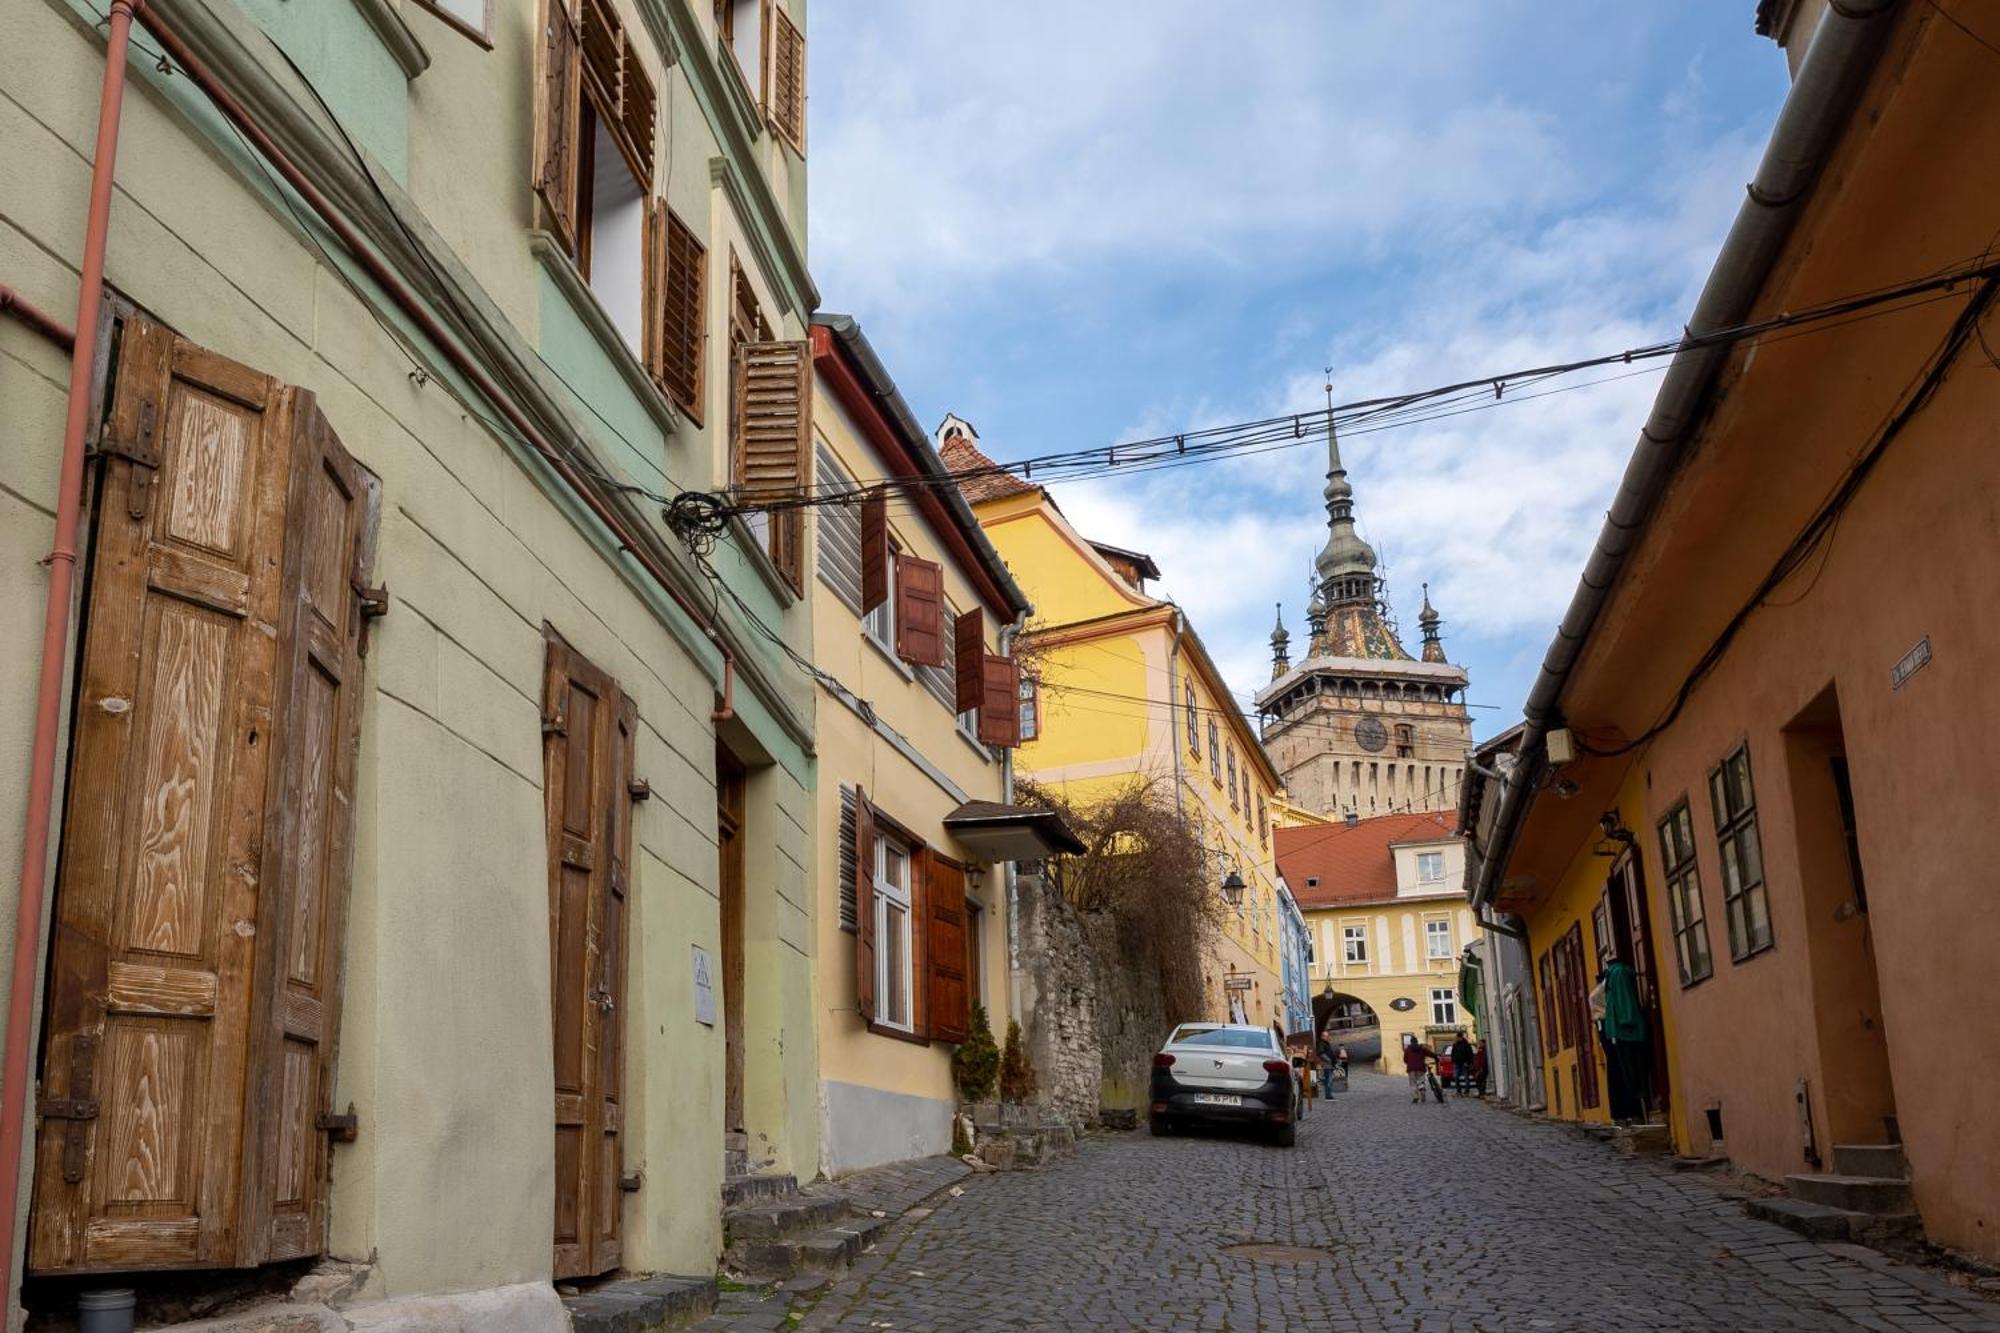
{"x":194,"y":982}
{"x":786,"y":81}
{"x":968,"y":634}
{"x":588,"y":728}
{"x":947,"y":997}
{"x":618,"y":85}
{"x":874,"y":551}
{"x":774,"y":419}
{"x":680,"y":280}
{"x":919,"y":611}
{"x":557,"y":118}
{"x":864,"y":906}
{"x":999,"y":713}
{"x":333,"y":507}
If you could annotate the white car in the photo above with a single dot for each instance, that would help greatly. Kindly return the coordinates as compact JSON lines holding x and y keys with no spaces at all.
{"x":1232,"y":1073}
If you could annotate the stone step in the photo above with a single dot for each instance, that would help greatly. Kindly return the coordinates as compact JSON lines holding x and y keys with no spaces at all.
{"x":1818,"y":1222}
{"x":782,"y":1218}
{"x":756,"y":1189}
{"x":641,"y":1305}
{"x":1856,"y":1194}
{"x":825,"y":1252}
{"x":1883,"y":1160}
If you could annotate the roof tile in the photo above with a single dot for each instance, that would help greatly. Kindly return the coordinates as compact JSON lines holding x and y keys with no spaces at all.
{"x":1352,"y":864}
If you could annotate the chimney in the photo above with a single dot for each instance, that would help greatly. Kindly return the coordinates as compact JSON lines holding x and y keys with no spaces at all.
{"x":1353,"y":816}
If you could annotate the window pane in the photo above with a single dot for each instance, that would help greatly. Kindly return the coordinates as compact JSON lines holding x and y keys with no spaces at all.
{"x":1757,"y":912}
{"x":1683,"y":834}
{"x":1747,"y":855}
{"x":896,"y":953}
{"x":1732,"y":873}
{"x":1734,"y":912}
{"x":1740,"y":796}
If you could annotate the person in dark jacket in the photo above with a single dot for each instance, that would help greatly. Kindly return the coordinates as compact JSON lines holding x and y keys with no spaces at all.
{"x":1416,"y":1062}
{"x":1326,"y":1063}
{"x":1461,"y":1064}
{"x":1480,"y":1070}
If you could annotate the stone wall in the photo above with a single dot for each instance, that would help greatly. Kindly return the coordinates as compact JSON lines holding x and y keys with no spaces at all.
{"x":1092,"y":1019}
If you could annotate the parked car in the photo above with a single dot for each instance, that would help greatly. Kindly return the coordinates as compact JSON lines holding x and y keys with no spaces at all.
{"x":1230,"y":1073}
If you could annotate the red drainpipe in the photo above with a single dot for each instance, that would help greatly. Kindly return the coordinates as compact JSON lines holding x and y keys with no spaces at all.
{"x":15,"y":1080}
{"x":36,"y":318}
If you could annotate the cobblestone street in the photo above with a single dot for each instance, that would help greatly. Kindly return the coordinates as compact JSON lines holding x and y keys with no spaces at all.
{"x":1453,"y":1217}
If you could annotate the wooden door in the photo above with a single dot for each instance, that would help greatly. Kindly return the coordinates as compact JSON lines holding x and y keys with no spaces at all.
{"x":1575,"y":981}
{"x":207,"y":834}
{"x":589,"y":728}
{"x":729,"y":802}
{"x":1634,"y":922}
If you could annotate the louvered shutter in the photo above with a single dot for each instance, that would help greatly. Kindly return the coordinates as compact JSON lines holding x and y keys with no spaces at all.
{"x":680,"y":305}
{"x":786,"y":81}
{"x":194,"y":979}
{"x":864,"y":906}
{"x":557,"y":117}
{"x":774,"y":419}
{"x":848,"y":919}
{"x":968,"y":635}
{"x":839,"y":530}
{"x":919,"y":611}
{"x":946,"y":993}
{"x":874,"y":551}
{"x":1000,"y":685}
{"x":619,"y":86}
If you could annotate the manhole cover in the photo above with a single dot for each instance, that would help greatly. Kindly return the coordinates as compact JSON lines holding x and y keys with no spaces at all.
{"x":1259,"y":1252}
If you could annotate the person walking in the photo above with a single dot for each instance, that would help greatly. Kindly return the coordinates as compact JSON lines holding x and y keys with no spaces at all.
{"x":1416,"y":1064}
{"x":1479,"y":1067}
{"x":1341,"y":1055}
{"x":1461,"y":1064}
{"x":1327,"y":1057}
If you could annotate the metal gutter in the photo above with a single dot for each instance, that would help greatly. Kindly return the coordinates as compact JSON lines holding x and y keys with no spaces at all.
{"x":1815,"y":116}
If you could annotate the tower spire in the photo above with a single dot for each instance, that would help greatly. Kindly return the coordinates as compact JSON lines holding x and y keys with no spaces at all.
{"x":1346,"y":564}
{"x":1281,"y":646}
{"x":1429,"y":620}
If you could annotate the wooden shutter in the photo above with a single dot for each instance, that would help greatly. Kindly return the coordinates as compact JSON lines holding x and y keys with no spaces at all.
{"x":773,"y":419}
{"x":999,"y":716}
{"x":557,"y":118}
{"x":947,"y":997}
{"x":919,"y":611}
{"x":617,"y":83}
{"x":588,"y":729}
{"x":968,"y":634}
{"x":864,"y":906}
{"x":874,"y":551}
{"x":786,"y":81}
{"x":680,"y":308}
{"x":194,"y":979}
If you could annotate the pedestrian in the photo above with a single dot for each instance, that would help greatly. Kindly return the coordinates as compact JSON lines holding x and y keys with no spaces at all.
{"x":1341,"y":1055}
{"x":1416,"y":1064}
{"x":1327,"y":1057}
{"x":1461,"y":1064}
{"x":1479,"y":1069}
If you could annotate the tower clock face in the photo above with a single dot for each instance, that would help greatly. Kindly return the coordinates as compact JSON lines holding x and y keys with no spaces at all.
{"x":1371,"y":734}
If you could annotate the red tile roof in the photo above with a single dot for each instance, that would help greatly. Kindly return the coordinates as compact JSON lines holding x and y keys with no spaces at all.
{"x":1352,"y":865}
{"x":962,"y":455}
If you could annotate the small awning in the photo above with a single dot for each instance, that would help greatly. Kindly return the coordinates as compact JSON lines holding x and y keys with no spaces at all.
{"x":1471,"y":979}
{"x":1000,"y":832}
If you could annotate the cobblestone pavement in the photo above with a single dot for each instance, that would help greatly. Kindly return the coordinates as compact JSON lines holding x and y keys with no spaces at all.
{"x":1454,"y":1217}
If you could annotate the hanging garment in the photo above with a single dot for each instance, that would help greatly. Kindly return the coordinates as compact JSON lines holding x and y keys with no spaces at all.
{"x":1624,"y":1018}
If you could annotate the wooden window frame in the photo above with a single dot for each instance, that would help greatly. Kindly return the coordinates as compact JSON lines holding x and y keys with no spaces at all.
{"x":1350,"y":936}
{"x":1215,"y":752}
{"x":1430,"y":954}
{"x":1193,"y":718}
{"x":1738,"y":843}
{"x":1546,"y":1009}
{"x":483,"y":35}
{"x":692,"y":396}
{"x":788,"y":129}
{"x":1681,"y":876}
{"x":887,"y":838}
{"x":783,"y":536}
{"x":1030,"y":693}
{"x":1235,"y":802}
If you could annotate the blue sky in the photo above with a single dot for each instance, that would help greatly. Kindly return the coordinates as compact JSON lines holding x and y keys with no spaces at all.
{"x":1079,"y":223}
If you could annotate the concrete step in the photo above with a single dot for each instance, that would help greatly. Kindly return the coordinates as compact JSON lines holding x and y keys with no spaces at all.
{"x":641,"y":1305}
{"x":1883,"y":1160}
{"x":826,"y":1252}
{"x":756,"y":1189}
{"x":1819,"y":1222}
{"x":782,"y":1218}
{"x":1856,"y":1194}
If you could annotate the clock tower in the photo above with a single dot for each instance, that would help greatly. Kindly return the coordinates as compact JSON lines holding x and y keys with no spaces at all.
{"x":1357,"y":725}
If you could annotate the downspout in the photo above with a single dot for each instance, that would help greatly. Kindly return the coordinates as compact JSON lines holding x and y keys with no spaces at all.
{"x":22,"y":981}
{"x":1843,"y":53}
{"x":449,"y":345}
{"x":1015,"y":997}
{"x":1174,"y":696}
{"x":41,"y":321}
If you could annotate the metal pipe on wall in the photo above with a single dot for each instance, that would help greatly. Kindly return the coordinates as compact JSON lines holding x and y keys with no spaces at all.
{"x":15,"y":1080}
{"x":13,"y":304}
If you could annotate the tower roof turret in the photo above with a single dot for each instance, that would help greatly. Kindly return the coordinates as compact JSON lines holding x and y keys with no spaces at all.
{"x":1281,"y":646}
{"x":1429,"y":620}
{"x":1346,"y":564}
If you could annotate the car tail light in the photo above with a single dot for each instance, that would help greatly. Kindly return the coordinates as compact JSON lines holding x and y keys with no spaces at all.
{"x":1162,"y":1060}
{"x":1276,"y":1067}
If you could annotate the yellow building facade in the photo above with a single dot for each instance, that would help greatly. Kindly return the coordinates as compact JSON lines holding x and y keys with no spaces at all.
{"x":1120,"y":689}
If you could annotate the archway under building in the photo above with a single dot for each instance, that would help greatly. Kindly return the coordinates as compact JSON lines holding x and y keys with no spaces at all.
{"x":1347,"y":1020}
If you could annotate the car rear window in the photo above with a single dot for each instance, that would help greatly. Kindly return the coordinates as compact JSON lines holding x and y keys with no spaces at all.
{"x":1236,"y":1037}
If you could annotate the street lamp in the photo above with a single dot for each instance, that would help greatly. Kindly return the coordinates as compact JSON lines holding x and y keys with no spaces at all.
{"x":1232,"y":889}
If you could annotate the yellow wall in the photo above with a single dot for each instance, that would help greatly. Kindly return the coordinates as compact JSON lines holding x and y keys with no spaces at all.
{"x":881,"y":1093}
{"x":1574,"y":898}
{"x":1397,"y":966}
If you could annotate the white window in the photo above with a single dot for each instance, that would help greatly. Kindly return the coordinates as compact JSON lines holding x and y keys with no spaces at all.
{"x":1354,"y":940}
{"x":892,"y":933}
{"x":743,"y":29}
{"x":1444,"y":1008}
{"x":1437,"y":940}
{"x":1430,"y":867}
{"x":880,"y":624}
{"x":475,"y":16}
{"x":1030,"y":708}
{"x":614,"y":259}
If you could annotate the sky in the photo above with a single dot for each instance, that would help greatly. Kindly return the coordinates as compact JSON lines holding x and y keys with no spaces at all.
{"x":1075,"y":224}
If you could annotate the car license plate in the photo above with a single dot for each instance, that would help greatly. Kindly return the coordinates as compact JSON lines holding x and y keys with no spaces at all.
{"x":1217,"y":1099}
